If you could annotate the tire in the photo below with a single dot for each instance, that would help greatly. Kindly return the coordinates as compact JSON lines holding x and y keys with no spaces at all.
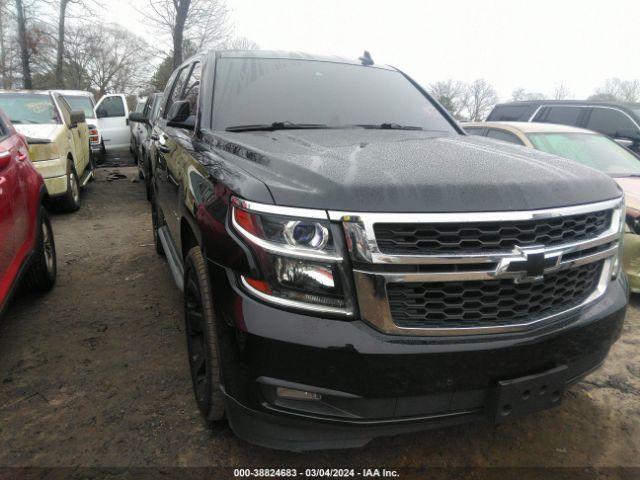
{"x":202,"y":337}
{"x":71,"y":200}
{"x":157,"y":221}
{"x":148,"y":188}
{"x":41,"y":276}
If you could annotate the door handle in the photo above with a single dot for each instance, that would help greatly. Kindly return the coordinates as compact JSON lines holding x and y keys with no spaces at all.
{"x":164,"y":149}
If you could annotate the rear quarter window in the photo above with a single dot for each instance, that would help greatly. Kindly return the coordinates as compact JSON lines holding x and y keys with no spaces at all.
{"x":511,"y":113}
{"x":562,"y":115}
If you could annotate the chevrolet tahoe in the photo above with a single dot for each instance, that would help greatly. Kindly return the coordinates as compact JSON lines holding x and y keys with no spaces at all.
{"x":354,"y":265}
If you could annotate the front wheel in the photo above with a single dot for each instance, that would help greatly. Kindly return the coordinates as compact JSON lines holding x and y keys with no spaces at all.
{"x":157,"y":221}
{"x":41,"y":276}
{"x":202,"y":338}
{"x":71,"y":200}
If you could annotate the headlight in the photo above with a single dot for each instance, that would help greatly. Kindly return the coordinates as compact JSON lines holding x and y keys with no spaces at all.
{"x":300,"y":259}
{"x":43,"y":151}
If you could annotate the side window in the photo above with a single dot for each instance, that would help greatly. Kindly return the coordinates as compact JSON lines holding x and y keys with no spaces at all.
{"x":609,"y":121}
{"x":64,"y":108}
{"x":176,"y":89}
{"x":111,"y":107}
{"x":155,"y":108}
{"x":147,"y":107}
{"x":192,"y":90}
{"x":504,"y":136}
{"x":561,"y":115}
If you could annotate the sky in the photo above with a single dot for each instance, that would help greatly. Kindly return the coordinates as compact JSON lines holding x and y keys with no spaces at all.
{"x":536,"y":45}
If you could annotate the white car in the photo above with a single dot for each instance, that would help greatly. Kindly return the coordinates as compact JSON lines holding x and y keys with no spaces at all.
{"x":112,"y":113}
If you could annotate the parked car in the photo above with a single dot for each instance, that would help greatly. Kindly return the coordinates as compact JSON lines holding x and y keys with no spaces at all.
{"x":85,"y":101}
{"x":58,"y":139}
{"x":354,"y":265}
{"x":590,"y":149}
{"x":620,"y":121}
{"x":113,"y":122}
{"x":27,"y":247}
{"x":145,"y":121}
{"x":136,"y":128}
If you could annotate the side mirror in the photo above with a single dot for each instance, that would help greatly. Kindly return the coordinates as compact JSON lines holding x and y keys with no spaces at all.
{"x":180,"y":115}
{"x":138,"y":117}
{"x":632,"y":136}
{"x":100,"y":113}
{"x":76,"y":117}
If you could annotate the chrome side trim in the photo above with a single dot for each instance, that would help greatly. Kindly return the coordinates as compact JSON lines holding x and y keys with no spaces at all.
{"x":282,"y":302}
{"x":374,"y":308}
{"x":278,"y":210}
{"x":282,"y":249}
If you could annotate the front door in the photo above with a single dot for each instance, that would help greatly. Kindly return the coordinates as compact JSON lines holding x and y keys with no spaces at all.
{"x":113,"y":121}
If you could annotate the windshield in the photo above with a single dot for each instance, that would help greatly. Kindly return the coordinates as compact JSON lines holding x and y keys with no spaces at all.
{"x":264,"y":91}
{"x":595,"y":151}
{"x":81,"y":102}
{"x":29,"y":108}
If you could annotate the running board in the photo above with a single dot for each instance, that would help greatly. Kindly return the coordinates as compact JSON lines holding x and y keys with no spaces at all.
{"x":175,"y":264}
{"x":85,"y":179}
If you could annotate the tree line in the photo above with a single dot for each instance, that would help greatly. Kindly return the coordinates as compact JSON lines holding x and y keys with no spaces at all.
{"x":62,"y":44}
{"x":474,"y":101}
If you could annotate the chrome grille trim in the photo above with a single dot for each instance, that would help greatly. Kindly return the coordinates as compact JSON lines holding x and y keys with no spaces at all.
{"x":363,"y":247}
{"x":371,"y":284}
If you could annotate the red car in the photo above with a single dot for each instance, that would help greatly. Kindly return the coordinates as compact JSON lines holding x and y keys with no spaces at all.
{"x":27,"y":248}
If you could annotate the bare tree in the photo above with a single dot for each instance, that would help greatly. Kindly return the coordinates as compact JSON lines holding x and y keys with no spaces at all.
{"x":480,"y":97}
{"x":62,"y":16}
{"x":24,"y":45}
{"x":106,"y":58}
{"x":615,"y":89}
{"x":520,"y":94}
{"x":451,"y":94}
{"x":562,"y":92}
{"x":82,"y":10}
{"x":238,"y":43}
{"x":203,"y":22}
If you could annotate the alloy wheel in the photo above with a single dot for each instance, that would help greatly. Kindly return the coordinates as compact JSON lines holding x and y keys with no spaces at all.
{"x":196,"y":338}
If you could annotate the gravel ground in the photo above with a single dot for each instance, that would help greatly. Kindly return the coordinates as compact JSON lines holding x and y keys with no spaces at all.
{"x":95,"y":374}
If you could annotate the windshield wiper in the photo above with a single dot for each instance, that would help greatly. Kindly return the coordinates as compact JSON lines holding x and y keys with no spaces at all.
{"x":391,"y":126}
{"x":276,"y":126}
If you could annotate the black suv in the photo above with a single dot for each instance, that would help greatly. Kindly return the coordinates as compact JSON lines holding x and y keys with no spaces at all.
{"x":620,"y":121}
{"x":354,"y":265}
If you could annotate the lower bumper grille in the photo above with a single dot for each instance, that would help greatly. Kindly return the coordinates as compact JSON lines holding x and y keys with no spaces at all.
{"x":465,"y":304}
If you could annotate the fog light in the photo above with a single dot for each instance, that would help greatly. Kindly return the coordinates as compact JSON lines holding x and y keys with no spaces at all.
{"x":293,"y":394}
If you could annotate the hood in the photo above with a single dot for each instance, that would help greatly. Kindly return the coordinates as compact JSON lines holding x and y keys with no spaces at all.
{"x":406,"y":171}
{"x":631,"y":187}
{"x":44,"y":131}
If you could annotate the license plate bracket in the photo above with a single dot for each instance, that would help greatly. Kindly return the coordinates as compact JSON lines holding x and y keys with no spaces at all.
{"x":522,"y":396}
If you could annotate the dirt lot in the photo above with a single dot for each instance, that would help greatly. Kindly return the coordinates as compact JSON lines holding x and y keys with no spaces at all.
{"x":95,"y":374}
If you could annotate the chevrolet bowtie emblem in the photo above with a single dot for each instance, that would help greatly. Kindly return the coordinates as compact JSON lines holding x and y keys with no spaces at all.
{"x":529,"y":264}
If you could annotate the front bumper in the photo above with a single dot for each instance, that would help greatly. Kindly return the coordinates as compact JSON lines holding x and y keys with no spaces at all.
{"x":54,"y":173}
{"x":374,"y":384}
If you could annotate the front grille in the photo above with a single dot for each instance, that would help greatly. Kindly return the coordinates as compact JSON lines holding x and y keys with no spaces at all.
{"x":489,"y":303}
{"x":422,"y":238}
